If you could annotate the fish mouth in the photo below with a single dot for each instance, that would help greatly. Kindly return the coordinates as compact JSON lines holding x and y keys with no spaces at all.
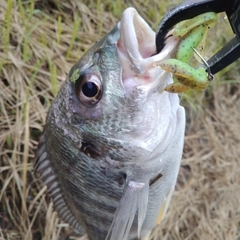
{"x":137,"y":50}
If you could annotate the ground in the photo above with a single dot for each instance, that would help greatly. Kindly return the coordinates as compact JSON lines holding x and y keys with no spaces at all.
{"x":39,"y":42}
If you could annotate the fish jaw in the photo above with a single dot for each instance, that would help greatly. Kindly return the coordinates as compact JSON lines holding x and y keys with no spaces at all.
{"x":136,"y":51}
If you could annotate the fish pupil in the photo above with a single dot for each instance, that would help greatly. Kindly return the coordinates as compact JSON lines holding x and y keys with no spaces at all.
{"x":89,"y":89}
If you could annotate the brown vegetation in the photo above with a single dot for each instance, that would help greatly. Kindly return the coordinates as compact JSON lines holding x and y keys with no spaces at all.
{"x":39,"y":42}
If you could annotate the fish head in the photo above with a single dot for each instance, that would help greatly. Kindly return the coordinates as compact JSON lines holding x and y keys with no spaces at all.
{"x":115,"y":91}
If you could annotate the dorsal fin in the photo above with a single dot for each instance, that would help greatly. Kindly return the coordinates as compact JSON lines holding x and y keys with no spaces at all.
{"x":43,"y":168}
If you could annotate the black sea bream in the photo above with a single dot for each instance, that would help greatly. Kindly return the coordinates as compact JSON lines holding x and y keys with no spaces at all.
{"x":113,"y":140}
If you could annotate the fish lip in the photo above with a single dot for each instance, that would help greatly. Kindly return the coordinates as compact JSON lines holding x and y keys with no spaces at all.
{"x":137,"y":50}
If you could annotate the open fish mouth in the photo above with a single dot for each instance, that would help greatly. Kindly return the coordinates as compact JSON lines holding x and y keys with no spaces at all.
{"x":137,"y":49}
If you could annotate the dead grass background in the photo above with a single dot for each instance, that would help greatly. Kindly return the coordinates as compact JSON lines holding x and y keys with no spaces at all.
{"x":39,"y":42}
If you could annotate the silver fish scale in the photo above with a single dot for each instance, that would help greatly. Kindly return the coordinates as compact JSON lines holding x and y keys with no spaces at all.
{"x":83,"y":175}
{"x":82,"y":181}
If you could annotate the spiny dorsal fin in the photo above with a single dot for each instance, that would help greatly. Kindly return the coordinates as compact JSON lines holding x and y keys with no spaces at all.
{"x":46,"y":173}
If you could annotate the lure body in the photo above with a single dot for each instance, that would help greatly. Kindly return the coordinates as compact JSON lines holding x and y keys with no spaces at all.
{"x":192,"y":32}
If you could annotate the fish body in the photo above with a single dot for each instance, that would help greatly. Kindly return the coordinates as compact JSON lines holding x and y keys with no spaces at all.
{"x":111,"y":148}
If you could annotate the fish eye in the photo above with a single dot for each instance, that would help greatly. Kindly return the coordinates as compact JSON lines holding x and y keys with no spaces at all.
{"x":89,"y":89}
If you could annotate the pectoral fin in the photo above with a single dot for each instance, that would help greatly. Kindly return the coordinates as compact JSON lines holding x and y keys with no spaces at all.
{"x":134,"y":199}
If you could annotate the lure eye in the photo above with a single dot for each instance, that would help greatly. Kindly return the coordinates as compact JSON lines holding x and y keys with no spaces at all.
{"x":89,"y":89}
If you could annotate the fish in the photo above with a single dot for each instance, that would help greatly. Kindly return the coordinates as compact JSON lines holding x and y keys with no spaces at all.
{"x":112,"y":144}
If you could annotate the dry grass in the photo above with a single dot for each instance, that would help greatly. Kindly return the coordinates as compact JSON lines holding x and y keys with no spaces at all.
{"x":39,"y":42}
